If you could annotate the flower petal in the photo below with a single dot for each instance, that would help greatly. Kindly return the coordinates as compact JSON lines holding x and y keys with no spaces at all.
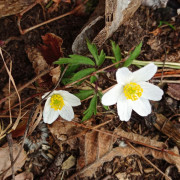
{"x":145,"y":73}
{"x":67,"y":112}
{"x":124,"y":108}
{"x":141,"y":106}
{"x":49,"y":114}
{"x":111,"y":97}
{"x":123,"y":75}
{"x":53,"y":92}
{"x":70,"y":98}
{"x":151,"y":91}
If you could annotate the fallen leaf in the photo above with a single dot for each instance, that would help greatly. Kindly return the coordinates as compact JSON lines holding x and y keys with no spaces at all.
{"x":96,"y":147}
{"x":69,"y":163}
{"x":24,"y":176}
{"x":20,"y":129}
{"x":168,"y":128}
{"x":174,"y":91}
{"x":40,"y":65}
{"x":5,"y":158}
{"x":51,"y":50}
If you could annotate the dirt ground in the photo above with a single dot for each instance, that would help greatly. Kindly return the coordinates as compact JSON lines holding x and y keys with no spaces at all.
{"x":41,"y":158}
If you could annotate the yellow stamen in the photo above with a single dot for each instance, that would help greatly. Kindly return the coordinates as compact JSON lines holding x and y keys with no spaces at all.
{"x":132,"y":91}
{"x":57,"y":102}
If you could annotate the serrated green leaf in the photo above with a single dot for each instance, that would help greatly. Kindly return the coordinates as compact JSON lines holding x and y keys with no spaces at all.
{"x":101,"y":58}
{"x":82,"y":74}
{"x":75,"y":59}
{"x":100,"y":96}
{"x":133,"y":55}
{"x":117,"y":53}
{"x":82,"y":59}
{"x":93,"y":50}
{"x":83,"y":94}
{"x":92,"y":109}
{"x":70,"y":70}
{"x":93,"y":79}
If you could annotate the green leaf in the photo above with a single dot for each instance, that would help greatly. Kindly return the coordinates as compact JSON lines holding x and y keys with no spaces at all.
{"x":81,"y":59}
{"x":93,"y":50}
{"x":92,"y":109}
{"x":133,"y":55}
{"x":83,"y":94}
{"x":100,"y":96}
{"x":93,"y":79}
{"x":75,"y":59}
{"x":101,"y":58}
{"x":117,"y":53}
{"x":82,"y":73}
{"x":70,"y":70}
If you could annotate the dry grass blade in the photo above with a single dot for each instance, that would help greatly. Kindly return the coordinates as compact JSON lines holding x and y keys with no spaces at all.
{"x":13,"y":82}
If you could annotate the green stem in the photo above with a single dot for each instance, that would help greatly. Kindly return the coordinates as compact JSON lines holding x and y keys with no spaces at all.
{"x":158,"y":63}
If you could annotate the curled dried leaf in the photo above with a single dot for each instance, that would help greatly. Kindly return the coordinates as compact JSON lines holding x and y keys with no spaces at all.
{"x":51,"y":50}
{"x":5,"y":159}
{"x":174,"y":91}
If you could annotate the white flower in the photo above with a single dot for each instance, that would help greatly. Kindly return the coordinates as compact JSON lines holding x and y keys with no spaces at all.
{"x":132,"y":92}
{"x":59,"y":103}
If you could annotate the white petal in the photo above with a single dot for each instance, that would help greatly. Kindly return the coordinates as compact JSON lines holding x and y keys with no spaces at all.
{"x":70,"y":98}
{"x":124,"y":108}
{"x":145,"y":73}
{"x":67,"y":112}
{"x":151,"y":91}
{"x":49,"y":114}
{"x":111,"y":97}
{"x":123,"y":75}
{"x":53,"y":92}
{"x":141,"y":106}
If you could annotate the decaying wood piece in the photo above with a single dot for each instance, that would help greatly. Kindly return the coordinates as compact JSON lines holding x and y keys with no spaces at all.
{"x":11,"y":7}
{"x":116,"y":13}
{"x":168,"y":128}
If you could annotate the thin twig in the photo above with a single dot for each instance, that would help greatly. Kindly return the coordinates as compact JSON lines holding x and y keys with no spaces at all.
{"x":30,"y":117}
{"x":147,"y":160}
{"x":50,"y":20}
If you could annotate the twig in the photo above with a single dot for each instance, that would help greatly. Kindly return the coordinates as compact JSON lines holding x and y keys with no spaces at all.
{"x":126,"y":139}
{"x":26,"y":85}
{"x":29,"y":120}
{"x":147,"y":160}
{"x":163,"y":64}
{"x":49,"y":21}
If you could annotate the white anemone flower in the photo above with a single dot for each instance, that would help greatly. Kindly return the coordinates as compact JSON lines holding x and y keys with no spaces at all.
{"x":132,"y":92}
{"x":59,"y":103}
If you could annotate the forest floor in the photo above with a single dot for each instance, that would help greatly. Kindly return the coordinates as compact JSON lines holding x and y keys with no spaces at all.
{"x":90,"y":150}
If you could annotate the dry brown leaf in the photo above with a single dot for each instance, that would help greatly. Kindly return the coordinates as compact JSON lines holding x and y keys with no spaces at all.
{"x":65,"y":132}
{"x":55,"y":73}
{"x":174,"y":91}
{"x":168,"y":128}
{"x":24,"y":176}
{"x":96,"y":147}
{"x":51,"y":50}
{"x":139,"y":138}
{"x":5,"y":158}
{"x":88,"y":171}
{"x":20,"y":129}
{"x":40,"y":65}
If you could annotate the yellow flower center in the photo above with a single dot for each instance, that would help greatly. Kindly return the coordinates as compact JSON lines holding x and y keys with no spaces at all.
{"x":57,"y":102}
{"x":132,"y":91}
